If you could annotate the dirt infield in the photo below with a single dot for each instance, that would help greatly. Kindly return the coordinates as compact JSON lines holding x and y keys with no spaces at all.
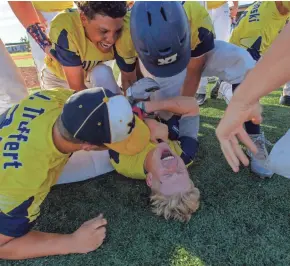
{"x":29,"y":75}
{"x":21,"y":57}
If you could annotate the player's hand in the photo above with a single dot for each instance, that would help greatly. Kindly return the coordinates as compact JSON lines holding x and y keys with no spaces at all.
{"x":230,"y":131}
{"x":89,"y":236}
{"x":158,"y":131}
{"x":142,"y":89}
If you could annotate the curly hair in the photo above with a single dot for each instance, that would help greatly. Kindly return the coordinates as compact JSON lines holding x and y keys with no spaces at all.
{"x":179,"y":206}
{"x":113,"y":9}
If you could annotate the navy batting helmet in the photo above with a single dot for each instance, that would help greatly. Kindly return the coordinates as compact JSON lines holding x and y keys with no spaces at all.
{"x":161,"y":36}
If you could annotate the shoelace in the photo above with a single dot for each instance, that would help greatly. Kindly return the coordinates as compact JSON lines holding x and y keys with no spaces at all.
{"x":261,"y":143}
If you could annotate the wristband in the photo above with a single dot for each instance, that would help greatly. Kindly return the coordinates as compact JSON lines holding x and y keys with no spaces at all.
{"x":38,"y":34}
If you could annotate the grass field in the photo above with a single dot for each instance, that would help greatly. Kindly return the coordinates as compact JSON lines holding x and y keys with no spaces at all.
{"x":242,"y":220}
{"x":24,"y":62}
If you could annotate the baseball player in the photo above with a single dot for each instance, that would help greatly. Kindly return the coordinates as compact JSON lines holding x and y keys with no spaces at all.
{"x":81,"y":41}
{"x":50,"y":126}
{"x":257,"y":28}
{"x":222,"y":13}
{"x":178,"y":58}
{"x":46,"y":11}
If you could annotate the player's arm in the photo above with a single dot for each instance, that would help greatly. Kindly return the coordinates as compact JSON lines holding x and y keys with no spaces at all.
{"x":193,"y":76}
{"x":201,"y":26}
{"x":125,"y":55}
{"x":181,"y":105}
{"x":75,"y":77}
{"x":35,"y":244}
{"x":66,"y":53}
{"x":127,"y":79}
{"x":35,"y":25}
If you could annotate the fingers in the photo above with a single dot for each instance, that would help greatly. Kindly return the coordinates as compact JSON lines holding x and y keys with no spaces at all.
{"x":239,"y":152}
{"x":230,"y":156}
{"x":246,"y":140}
{"x":96,"y":222}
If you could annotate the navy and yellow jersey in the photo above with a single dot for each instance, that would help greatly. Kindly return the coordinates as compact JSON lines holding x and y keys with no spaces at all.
{"x":258,"y":27}
{"x":52,"y":6}
{"x":214,"y":4}
{"x":30,"y":162}
{"x":202,"y":36}
{"x":133,"y":166}
{"x":202,"y":30}
{"x":72,"y":48}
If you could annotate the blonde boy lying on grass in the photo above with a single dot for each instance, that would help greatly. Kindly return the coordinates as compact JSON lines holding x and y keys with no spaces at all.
{"x":164,"y":165}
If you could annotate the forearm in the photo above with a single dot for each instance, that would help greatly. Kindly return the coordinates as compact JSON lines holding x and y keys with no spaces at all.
{"x":178,"y":105}
{"x":190,"y":85}
{"x":75,"y":78}
{"x":270,"y":72}
{"x":127,"y":79}
{"x":193,"y":76}
{"x":25,"y":12}
{"x":35,"y":244}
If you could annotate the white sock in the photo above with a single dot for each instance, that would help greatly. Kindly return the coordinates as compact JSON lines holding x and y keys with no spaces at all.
{"x":226,"y":91}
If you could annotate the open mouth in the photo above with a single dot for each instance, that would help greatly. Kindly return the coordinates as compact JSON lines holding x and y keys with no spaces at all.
{"x":105,"y":45}
{"x":166,"y":155}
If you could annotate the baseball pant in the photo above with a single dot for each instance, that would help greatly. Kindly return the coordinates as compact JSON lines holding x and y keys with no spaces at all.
{"x":12,"y":86}
{"x":100,"y":76}
{"x":222,"y":26}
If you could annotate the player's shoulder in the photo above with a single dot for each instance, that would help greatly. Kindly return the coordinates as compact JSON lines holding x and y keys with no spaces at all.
{"x":194,"y":9}
{"x":66,"y":19}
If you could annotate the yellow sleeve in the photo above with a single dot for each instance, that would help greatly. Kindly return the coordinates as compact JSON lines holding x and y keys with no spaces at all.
{"x":64,"y":47}
{"x":202,"y":30}
{"x":124,"y":50}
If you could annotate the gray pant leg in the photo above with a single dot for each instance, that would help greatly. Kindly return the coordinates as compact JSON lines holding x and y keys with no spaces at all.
{"x":228,"y":62}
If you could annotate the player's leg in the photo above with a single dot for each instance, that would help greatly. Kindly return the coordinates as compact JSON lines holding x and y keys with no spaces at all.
{"x":84,"y":165}
{"x":102,"y":76}
{"x":231,"y":63}
{"x":285,"y":98}
{"x":12,"y":86}
{"x":201,"y":92}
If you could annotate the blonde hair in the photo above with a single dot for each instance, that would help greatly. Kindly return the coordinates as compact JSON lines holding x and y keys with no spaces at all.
{"x":179,"y":206}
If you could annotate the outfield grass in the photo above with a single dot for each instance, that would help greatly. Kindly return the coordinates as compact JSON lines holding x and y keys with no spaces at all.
{"x":242,"y":220}
{"x":24,"y":62}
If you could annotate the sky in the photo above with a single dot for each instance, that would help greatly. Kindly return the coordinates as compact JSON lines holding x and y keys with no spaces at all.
{"x":10,"y":28}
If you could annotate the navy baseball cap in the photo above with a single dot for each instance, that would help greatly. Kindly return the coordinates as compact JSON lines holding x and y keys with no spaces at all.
{"x":100,"y":117}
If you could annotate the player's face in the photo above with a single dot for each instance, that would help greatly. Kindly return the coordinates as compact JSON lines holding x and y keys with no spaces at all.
{"x":168,"y":174}
{"x":103,"y":31}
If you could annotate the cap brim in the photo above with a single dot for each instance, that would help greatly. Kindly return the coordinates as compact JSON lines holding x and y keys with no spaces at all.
{"x":136,"y":142}
{"x":169,"y":70}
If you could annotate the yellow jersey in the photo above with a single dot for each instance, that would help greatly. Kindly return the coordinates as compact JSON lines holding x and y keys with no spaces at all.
{"x":258,"y":27}
{"x":29,"y":160}
{"x":133,"y":166}
{"x":52,"y":6}
{"x":202,"y":36}
{"x":71,"y":47}
{"x":214,"y":4}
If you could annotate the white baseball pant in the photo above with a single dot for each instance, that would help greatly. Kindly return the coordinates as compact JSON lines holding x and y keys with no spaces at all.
{"x":222,"y":25}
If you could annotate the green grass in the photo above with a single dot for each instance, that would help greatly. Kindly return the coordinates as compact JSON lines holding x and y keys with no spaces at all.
{"x":24,"y":62}
{"x":242,"y":220}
